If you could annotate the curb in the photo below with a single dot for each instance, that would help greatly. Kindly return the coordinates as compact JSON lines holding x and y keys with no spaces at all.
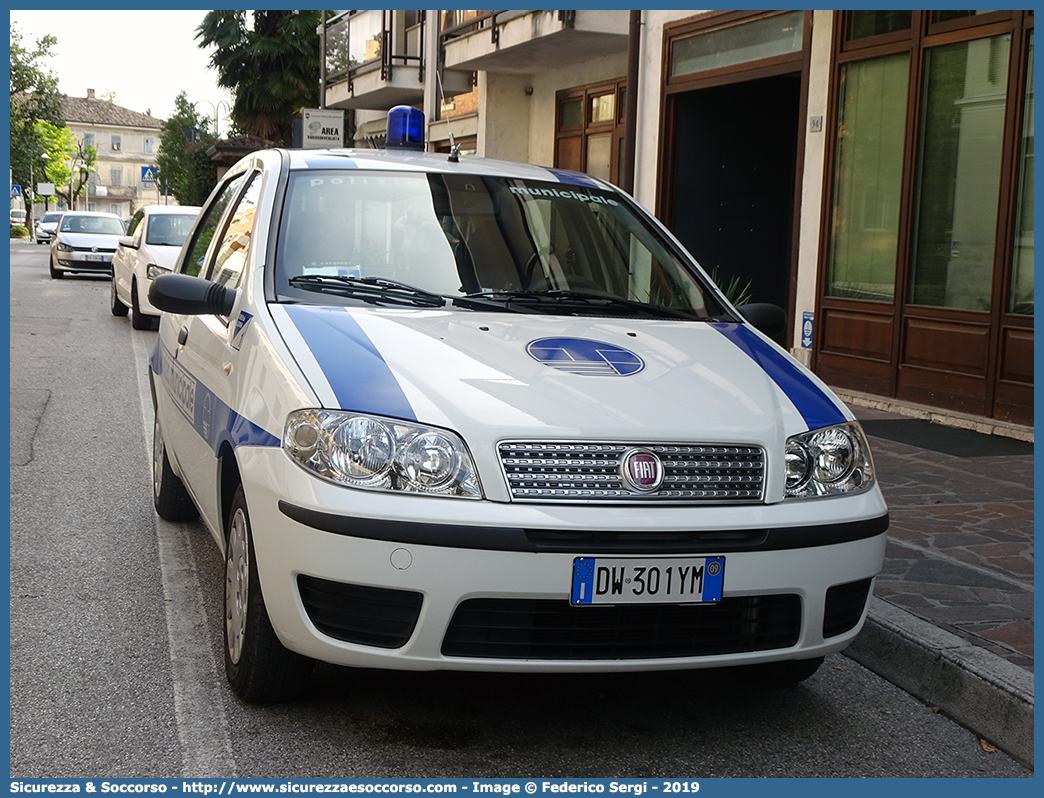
{"x":975,"y":687}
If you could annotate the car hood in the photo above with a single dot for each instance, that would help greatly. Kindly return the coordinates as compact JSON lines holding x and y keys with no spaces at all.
{"x":501,"y":376}
{"x":162,"y":255}
{"x":88,"y":240}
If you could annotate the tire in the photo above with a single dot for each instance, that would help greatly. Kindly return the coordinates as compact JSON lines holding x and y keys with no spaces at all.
{"x":56,"y":273}
{"x":258,"y":667}
{"x":169,"y":496}
{"x":117,"y":307}
{"x":782,"y":674}
{"x":139,"y":320}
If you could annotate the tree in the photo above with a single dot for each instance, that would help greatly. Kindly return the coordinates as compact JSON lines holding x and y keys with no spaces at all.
{"x":34,"y":96}
{"x":61,"y":147}
{"x":183,"y":163}
{"x":271,"y":67}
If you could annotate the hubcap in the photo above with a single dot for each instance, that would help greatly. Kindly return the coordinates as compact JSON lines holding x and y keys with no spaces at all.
{"x":237,"y":577}
{"x":157,"y":458}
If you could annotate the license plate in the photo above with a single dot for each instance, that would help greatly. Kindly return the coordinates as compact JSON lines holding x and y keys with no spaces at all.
{"x":99,"y":258}
{"x":675,"y":580}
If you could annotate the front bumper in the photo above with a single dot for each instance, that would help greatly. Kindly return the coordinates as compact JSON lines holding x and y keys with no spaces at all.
{"x":419,"y":583}
{"x":84,"y":261}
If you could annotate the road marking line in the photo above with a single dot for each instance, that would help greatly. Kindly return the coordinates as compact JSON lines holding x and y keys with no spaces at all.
{"x":199,"y":698}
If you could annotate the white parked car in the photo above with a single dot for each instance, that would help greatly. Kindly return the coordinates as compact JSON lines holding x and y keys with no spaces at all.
{"x":85,"y":242}
{"x":450,"y":413}
{"x":46,"y":226}
{"x":150,"y":248}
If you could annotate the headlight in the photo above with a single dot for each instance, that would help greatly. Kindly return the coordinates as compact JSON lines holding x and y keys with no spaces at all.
{"x":380,"y":453}
{"x":152,"y":271}
{"x":63,"y":247}
{"x":828,"y":462}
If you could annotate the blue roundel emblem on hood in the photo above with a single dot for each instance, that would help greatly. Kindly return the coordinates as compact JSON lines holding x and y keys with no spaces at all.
{"x":581,"y":356}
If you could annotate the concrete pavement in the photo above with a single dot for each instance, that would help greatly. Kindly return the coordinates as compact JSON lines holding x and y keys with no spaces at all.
{"x":951,"y":621}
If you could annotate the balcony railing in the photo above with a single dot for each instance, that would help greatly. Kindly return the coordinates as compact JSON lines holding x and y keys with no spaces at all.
{"x":462,"y":23}
{"x":363,"y":41}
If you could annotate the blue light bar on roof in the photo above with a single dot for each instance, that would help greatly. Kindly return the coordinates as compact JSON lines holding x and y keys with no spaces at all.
{"x":405,"y":128}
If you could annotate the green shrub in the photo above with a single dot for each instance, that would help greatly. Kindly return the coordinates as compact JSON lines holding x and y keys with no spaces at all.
{"x":19,"y":231}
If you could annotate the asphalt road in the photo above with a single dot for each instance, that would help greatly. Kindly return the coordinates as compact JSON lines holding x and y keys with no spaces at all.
{"x":116,"y":666}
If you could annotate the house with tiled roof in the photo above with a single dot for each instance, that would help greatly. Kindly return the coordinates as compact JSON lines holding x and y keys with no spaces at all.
{"x":126,"y":142}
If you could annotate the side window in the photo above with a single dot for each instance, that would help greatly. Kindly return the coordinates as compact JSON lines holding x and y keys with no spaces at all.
{"x":205,"y":231}
{"x":227,"y":269}
{"x":135,"y":227}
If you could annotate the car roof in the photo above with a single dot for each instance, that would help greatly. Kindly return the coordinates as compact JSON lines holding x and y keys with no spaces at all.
{"x":407,"y":161}
{"x":155,"y":210}
{"x":89,"y":213}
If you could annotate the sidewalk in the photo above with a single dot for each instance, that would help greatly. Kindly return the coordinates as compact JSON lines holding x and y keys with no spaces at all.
{"x":952,"y":617}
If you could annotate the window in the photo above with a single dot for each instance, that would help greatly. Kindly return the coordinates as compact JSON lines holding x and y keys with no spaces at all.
{"x":115,"y":142}
{"x":864,"y":24}
{"x":868,"y":174}
{"x":1021,"y":295}
{"x":115,"y":175}
{"x":235,"y":243}
{"x":148,"y":145}
{"x":134,"y":227}
{"x":193,"y":264}
{"x":959,"y":170}
{"x":738,"y":44}
{"x":114,"y":208}
{"x":88,"y":140}
{"x":590,"y":128}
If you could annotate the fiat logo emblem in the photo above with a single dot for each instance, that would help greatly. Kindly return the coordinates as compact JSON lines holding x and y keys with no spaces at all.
{"x":641,"y":470}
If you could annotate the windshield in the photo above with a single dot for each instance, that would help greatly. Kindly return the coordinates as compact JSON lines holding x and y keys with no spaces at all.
{"x":50,"y":218}
{"x":169,"y":229}
{"x":481,"y":237}
{"x":96,"y":225}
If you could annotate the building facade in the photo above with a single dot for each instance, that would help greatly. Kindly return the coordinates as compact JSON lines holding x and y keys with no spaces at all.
{"x":869,"y":171}
{"x":127,"y":143}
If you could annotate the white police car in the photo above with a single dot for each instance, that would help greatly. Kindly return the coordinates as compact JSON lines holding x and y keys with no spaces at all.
{"x":447,"y":413}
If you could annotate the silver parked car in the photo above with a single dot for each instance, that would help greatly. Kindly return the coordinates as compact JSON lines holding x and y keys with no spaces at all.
{"x":46,"y":226}
{"x":85,"y":242}
{"x":154,"y":238}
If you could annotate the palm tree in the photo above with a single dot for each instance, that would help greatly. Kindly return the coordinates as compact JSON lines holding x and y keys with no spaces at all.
{"x":271,"y":67}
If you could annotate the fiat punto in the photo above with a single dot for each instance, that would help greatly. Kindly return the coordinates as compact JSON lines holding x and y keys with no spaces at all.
{"x":442,"y":412}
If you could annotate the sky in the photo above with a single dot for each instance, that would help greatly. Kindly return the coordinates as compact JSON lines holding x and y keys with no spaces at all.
{"x":144,"y":57}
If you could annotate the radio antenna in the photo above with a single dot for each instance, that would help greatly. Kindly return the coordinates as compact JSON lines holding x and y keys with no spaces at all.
{"x":454,"y":155}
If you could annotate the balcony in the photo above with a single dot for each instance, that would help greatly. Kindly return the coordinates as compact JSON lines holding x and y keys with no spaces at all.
{"x":525,"y":42}
{"x":375,"y":59}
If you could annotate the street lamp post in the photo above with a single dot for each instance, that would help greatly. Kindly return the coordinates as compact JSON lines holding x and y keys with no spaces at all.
{"x":217,"y":110}
{"x":45,"y":158}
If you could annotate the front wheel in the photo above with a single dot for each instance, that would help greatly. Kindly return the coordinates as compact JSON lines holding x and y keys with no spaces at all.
{"x":258,"y":667}
{"x":139,"y":320}
{"x":56,"y":273}
{"x":117,"y":307}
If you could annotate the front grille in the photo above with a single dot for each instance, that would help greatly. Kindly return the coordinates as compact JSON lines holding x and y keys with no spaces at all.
{"x":592,"y":471}
{"x":844,"y":607}
{"x":98,"y":251}
{"x":556,"y":630}
{"x":369,"y":616}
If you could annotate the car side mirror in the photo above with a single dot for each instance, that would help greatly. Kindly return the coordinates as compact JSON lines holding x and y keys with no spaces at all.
{"x":127,"y":241}
{"x":768,"y":318}
{"x":193,"y":296}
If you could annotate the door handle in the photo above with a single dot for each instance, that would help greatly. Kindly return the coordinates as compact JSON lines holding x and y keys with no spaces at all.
{"x":182,"y":336}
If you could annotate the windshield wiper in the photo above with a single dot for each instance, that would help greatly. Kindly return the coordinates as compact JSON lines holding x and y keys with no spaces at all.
{"x":375,"y":290}
{"x":568,"y":302}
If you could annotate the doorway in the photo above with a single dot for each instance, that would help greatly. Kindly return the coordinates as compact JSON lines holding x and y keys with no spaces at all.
{"x":735,"y":149}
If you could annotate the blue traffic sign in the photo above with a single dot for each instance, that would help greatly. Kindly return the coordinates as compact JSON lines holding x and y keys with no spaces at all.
{"x":148,"y":174}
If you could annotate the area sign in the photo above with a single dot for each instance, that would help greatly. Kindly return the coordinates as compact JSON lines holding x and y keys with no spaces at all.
{"x":322,"y":128}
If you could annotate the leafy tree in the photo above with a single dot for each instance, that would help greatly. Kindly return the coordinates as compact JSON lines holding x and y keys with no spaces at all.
{"x":61,"y":147}
{"x":271,"y":67}
{"x":34,"y":95}
{"x":183,"y":163}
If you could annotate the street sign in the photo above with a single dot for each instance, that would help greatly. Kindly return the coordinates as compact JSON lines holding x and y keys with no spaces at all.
{"x":148,"y":175}
{"x":807,"y":322}
{"x":45,"y":189}
{"x":16,"y":192}
{"x":322,"y":127}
